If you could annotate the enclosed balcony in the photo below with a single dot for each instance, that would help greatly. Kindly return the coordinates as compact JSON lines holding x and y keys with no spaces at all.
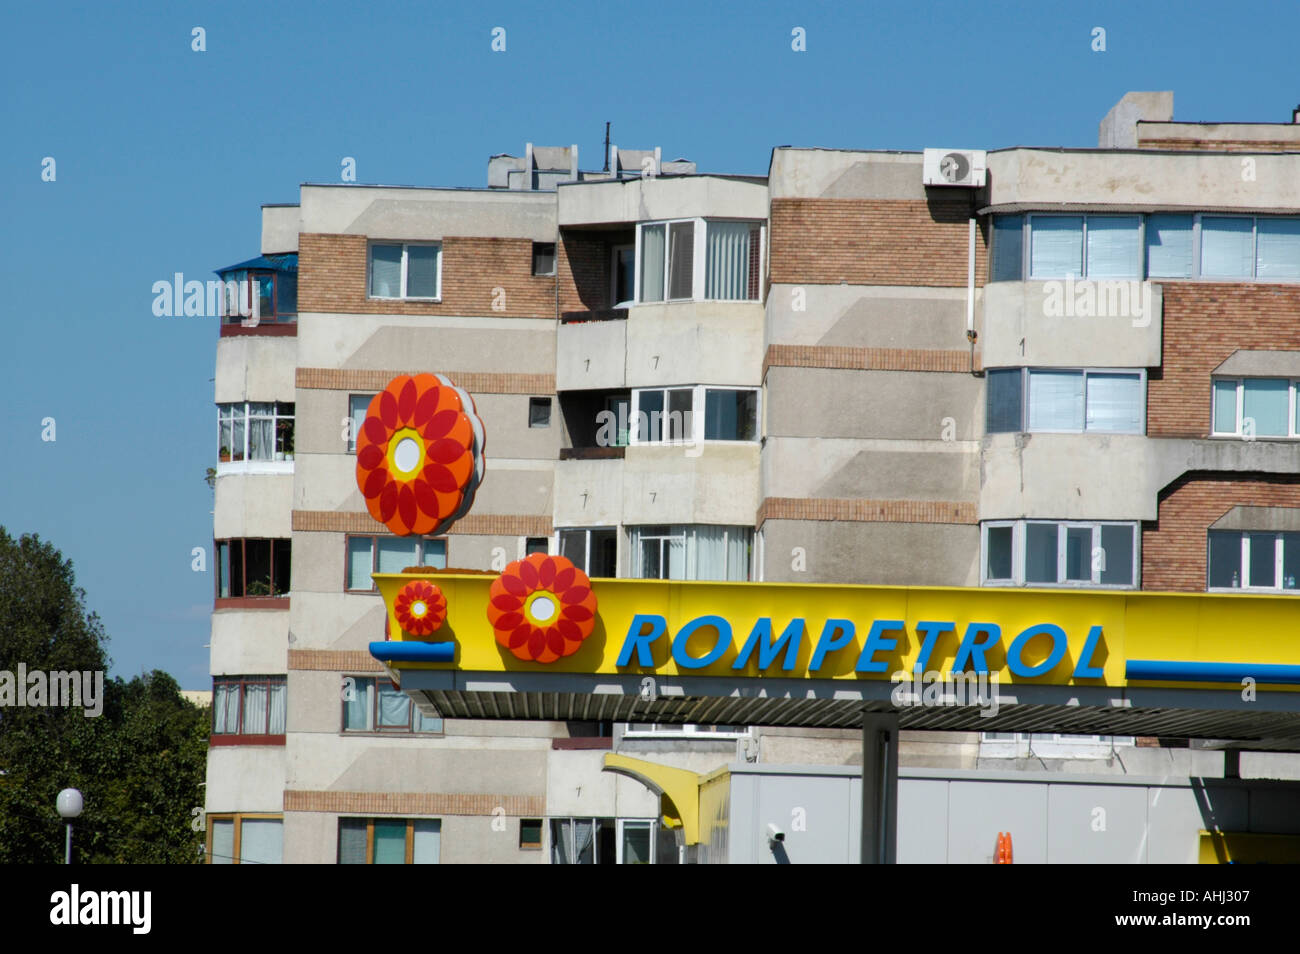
{"x":260,"y":296}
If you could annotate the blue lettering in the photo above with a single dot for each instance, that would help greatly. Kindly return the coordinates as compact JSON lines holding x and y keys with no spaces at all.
{"x":877,"y":642}
{"x":684,"y":660}
{"x":1084,"y":669}
{"x":1059,"y":643}
{"x":836,"y":634}
{"x":972,"y":648}
{"x":932,"y":633}
{"x":767,"y":650}
{"x":640,"y":641}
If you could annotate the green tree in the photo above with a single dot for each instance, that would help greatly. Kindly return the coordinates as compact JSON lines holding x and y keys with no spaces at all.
{"x":139,"y":764}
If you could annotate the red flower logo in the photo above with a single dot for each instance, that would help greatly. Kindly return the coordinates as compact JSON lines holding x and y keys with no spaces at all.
{"x":542,"y":608}
{"x":420,"y":608}
{"x":419,"y":454}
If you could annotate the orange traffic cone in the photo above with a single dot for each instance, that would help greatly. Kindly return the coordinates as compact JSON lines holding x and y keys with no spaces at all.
{"x":1003,"y":854}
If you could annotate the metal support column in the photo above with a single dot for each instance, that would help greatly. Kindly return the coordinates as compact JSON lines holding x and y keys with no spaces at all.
{"x":879,"y":788}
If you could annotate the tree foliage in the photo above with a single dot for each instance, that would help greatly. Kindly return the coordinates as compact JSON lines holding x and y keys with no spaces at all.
{"x":139,"y":765}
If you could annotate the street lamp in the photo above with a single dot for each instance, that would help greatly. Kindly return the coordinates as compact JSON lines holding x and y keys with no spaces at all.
{"x":70,"y":804}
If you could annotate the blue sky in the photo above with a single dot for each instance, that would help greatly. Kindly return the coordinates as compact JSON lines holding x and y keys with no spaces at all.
{"x":164,"y":155}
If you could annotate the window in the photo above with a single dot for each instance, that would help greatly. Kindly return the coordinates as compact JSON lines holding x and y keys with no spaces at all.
{"x":619,"y":405}
{"x":373,"y":704}
{"x":539,"y":412}
{"x":1256,"y":407}
{"x":358,"y":404}
{"x":694,"y":414}
{"x":691,"y":552}
{"x":678,"y":730}
{"x":405,"y":271}
{"x":530,"y":833}
{"x":594,"y":551}
{"x":252,"y":430}
{"x":277,"y":295}
{"x":543,"y":258}
{"x":1095,"y":246}
{"x":367,"y":555}
{"x":1169,"y":246}
{"x":389,"y":841}
{"x":1008,"y":248}
{"x":603,"y":841}
{"x":623,"y":275}
{"x":1051,"y":553}
{"x":249,"y":705}
{"x":536,"y":545}
{"x":668,"y":251}
{"x":1252,"y":560}
{"x":1065,"y":400}
{"x":247,"y":568}
{"x":245,"y":839}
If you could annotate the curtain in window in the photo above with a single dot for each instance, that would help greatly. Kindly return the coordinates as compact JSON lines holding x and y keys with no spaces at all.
{"x":1008,"y":247}
{"x":1227,"y":247}
{"x":1056,"y":246}
{"x":1055,"y":401}
{"x":681,"y":260}
{"x":394,"y":707}
{"x":225,"y":420}
{"x":385,"y":271}
{"x":422,"y":271}
{"x":1113,"y":247}
{"x":279,"y":706}
{"x":652,"y":263}
{"x":397,"y":553}
{"x":357,"y":709}
{"x":1225,"y":407}
{"x":738,"y":553}
{"x":1278,"y":248}
{"x":390,"y":841}
{"x":427,"y":841}
{"x":706,"y":553}
{"x":352,"y":841}
{"x":1267,"y":402}
{"x":674,"y":555}
{"x":225,"y":704}
{"x":560,"y":851}
{"x":261,"y":432}
{"x":726,"y":274}
{"x":237,"y":435}
{"x":1169,"y":246}
{"x":223,"y":842}
{"x":261,"y":841}
{"x":584,"y":838}
{"x":1115,"y":403}
{"x":254,"y":709}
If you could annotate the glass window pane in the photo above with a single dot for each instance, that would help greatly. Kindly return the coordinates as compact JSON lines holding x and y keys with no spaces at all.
{"x":385,"y":271}
{"x":726,"y":273}
{"x":651,"y":563}
{"x":649,"y":421}
{"x":1169,"y":246}
{"x":1078,"y":554}
{"x":422,"y":271}
{"x":358,"y":404}
{"x":357,"y":704}
{"x":604,"y":549}
{"x":561,"y":841}
{"x":730,"y":415}
{"x":1055,"y":246}
{"x":1055,"y":400}
{"x":221,"y":709}
{"x":266,"y":294}
{"x":1267,"y":403}
{"x":1225,"y":407}
{"x":427,"y":836}
{"x":1113,"y":246}
{"x":1225,"y":559}
{"x":1117,"y":555}
{"x":1263,"y":559}
{"x":573,"y":547}
{"x":1115,"y":402}
{"x":539,"y":412}
{"x":652,"y":263}
{"x":287,"y":304}
{"x":257,"y":567}
{"x":1290,"y":561}
{"x":681,"y":260}
{"x":223,"y":570}
{"x":281,"y":567}
{"x":261,"y":841}
{"x":678,"y":423}
{"x":584,"y":841}
{"x":636,"y":843}
{"x":626,"y":275}
{"x":998,"y":565}
{"x":397,"y":553}
{"x":237,"y":445}
{"x":223,"y":842}
{"x":1003,"y":411}
{"x":1227,"y":247}
{"x":1008,"y":247}
{"x":255,"y":698}
{"x":278,"y":707}
{"x":394,"y":707}
{"x":359,"y":563}
{"x":352,"y":841}
{"x":1277,"y":255}
{"x":435,"y":554}
{"x":1040,"y":553}
{"x":390,"y":841}
{"x":424,"y":723}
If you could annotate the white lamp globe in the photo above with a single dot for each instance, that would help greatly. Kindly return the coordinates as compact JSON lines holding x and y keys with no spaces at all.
{"x":70,"y":803}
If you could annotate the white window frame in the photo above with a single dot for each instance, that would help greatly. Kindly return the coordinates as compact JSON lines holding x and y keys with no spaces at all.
{"x":1027,"y":247}
{"x":1293,"y":387}
{"x":699,"y":398}
{"x":1025,"y":373}
{"x":613,"y":274}
{"x":1278,"y":550}
{"x":354,"y":430}
{"x":370,"y":267}
{"x":1019,"y":540}
{"x":689,"y":730}
{"x":421,"y":556}
{"x":699,"y":261}
{"x":586,"y":544}
{"x":996,"y":745}
{"x":281,"y":464}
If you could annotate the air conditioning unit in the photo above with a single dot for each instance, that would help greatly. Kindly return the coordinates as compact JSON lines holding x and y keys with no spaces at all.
{"x":954,"y":167}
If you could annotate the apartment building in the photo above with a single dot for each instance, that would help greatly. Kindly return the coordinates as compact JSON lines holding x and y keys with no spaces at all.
{"x":1079,"y":373}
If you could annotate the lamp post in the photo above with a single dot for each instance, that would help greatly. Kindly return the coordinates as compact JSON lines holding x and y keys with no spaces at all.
{"x":70,"y":804}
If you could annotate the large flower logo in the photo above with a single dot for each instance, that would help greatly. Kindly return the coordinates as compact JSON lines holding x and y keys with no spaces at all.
{"x":419,"y":454}
{"x":420,"y":608}
{"x":542,"y":608}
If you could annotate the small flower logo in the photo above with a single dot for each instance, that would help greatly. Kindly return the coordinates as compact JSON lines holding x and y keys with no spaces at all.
{"x":420,"y":608}
{"x":542,"y":608}
{"x":419,"y":454}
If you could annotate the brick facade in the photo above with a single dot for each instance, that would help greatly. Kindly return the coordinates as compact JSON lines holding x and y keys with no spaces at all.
{"x":866,"y":511}
{"x":1174,"y":550}
{"x":869,"y":359}
{"x":1204,"y":323}
{"x":874,"y":242}
{"x":332,"y":274}
{"x":475,"y":382}
{"x":488,"y":524}
{"x":413,"y":803}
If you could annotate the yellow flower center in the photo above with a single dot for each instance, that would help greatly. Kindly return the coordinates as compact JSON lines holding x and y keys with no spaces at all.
{"x":406,"y":454}
{"x":419,"y":608}
{"x":541,"y":608}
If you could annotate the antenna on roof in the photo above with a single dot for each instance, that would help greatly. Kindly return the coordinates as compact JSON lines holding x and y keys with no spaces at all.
{"x":606,"y":147}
